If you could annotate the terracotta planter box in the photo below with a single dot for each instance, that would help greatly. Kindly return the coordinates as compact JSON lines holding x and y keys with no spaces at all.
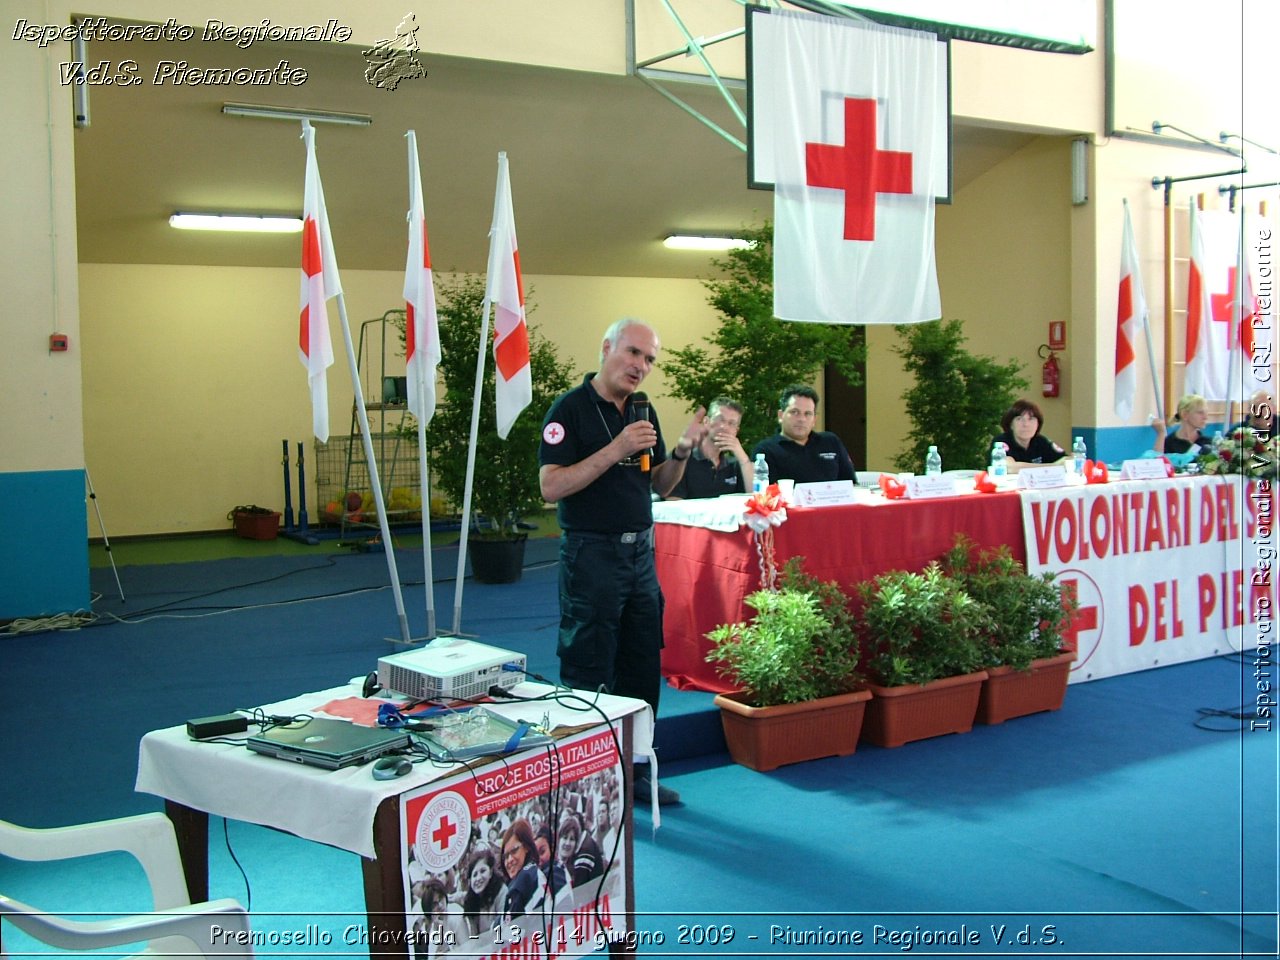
{"x":898,"y":715}
{"x":765,"y":738}
{"x":256,"y":526}
{"x":1009,"y":693}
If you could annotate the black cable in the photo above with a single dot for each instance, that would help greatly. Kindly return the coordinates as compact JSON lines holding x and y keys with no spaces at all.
{"x":560,"y":695}
{"x":248,"y":890}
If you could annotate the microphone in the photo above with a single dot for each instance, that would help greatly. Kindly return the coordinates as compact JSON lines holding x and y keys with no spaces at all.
{"x":640,"y":404}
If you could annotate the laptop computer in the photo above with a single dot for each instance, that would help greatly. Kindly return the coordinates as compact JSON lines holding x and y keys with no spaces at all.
{"x":328,"y":743}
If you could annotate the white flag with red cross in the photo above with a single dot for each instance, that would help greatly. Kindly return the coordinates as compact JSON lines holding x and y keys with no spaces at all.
{"x":858,"y":115}
{"x":421,"y":329}
{"x":1131,"y":310}
{"x":320,"y":283}
{"x":1220,"y":346}
{"x":504,"y":288}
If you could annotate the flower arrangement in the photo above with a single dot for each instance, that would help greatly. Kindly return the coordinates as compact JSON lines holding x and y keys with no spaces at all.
{"x":1244,"y":451}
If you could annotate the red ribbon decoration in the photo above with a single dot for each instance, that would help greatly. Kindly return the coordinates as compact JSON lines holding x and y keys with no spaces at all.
{"x":1095,"y":472}
{"x":892,"y":487}
{"x":765,"y":509}
{"x":983,"y":483}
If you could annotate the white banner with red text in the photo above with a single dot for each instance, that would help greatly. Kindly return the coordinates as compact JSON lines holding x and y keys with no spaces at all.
{"x":1164,"y":571}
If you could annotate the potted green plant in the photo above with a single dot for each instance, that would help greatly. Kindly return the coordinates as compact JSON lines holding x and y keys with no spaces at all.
{"x":1027,"y":667}
{"x":795,"y":666}
{"x":923,"y":638}
{"x":505,"y":486}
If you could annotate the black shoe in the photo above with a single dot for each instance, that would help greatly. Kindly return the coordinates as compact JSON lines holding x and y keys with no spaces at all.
{"x":642,"y":793}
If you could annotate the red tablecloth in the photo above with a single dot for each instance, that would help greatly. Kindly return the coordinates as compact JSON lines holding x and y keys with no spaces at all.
{"x":706,"y":573}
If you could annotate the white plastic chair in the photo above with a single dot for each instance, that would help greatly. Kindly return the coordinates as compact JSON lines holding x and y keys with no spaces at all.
{"x":150,"y":839}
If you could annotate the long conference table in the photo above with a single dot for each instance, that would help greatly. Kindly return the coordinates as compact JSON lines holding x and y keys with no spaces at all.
{"x":1163,"y":570}
{"x":707,"y":565}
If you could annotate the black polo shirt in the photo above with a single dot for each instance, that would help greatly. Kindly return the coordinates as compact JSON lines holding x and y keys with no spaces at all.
{"x":1040,"y":450}
{"x":705,"y":478}
{"x":823,"y":457}
{"x":578,"y":424}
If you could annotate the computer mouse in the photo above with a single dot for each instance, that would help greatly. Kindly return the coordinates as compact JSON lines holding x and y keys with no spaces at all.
{"x":388,"y":768}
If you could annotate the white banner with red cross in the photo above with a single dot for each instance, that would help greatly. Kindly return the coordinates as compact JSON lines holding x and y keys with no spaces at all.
{"x":1164,"y":571}
{"x":855,"y":116}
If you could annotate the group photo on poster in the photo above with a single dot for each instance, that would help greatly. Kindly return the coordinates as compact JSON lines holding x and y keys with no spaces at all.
{"x":531,"y":849}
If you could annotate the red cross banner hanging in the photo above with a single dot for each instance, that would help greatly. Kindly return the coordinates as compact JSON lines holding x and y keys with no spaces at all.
{"x":858,"y":121}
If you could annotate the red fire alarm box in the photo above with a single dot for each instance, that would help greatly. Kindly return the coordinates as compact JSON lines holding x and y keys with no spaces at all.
{"x":57,"y":342}
{"x":1057,"y":334}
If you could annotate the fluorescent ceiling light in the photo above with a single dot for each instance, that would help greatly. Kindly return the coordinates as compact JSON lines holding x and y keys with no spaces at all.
{"x":686,"y":242}
{"x":296,"y":113}
{"x":234,"y":221}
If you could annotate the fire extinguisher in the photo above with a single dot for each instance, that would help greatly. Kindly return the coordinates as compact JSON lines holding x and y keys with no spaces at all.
{"x":1050,"y":372}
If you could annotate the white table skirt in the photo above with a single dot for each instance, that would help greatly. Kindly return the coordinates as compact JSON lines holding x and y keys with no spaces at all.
{"x":335,"y":807}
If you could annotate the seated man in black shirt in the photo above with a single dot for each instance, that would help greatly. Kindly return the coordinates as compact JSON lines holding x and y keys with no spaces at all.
{"x":717,"y":464}
{"x":797,"y":451}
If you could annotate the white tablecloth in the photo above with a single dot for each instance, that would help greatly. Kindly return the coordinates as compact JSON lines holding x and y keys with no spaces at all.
{"x":329,"y":806}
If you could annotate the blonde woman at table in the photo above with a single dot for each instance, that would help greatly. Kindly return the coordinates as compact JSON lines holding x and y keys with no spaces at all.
{"x":1193,"y":415}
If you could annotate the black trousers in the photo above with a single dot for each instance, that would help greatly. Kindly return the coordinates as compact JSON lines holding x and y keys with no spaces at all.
{"x":610,"y":615}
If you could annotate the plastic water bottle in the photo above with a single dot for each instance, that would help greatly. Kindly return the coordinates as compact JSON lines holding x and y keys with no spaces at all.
{"x":761,"y":469}
{"x":1079,"y":453}
{"x":999,"y":460}
{"x":932,"y":463}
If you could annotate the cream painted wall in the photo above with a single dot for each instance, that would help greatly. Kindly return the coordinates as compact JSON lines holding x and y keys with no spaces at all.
{"x":1004,"y":271}
{"x":167,"y":446}
{"x":192,"y":377}
{"x":40,"y":413}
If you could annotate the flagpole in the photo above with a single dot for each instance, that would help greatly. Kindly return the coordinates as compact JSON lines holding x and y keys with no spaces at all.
{"x":318,"y":261}
{"x":1235,"y":372}
{"x":471,"y":467}
{"x":1151,"y":360}
{"x":420,"y":387}
{"x":363,"y":415}
{"x":424,"y":474}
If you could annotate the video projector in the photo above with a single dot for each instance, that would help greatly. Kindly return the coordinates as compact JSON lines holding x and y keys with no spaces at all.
{"x":450,"y":668}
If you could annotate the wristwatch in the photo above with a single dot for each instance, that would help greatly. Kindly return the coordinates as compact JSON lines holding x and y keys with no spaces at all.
{"x":676,"y":451}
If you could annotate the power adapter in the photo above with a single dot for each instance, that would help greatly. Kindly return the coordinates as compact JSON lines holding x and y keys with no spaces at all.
{"x":206,"y":728}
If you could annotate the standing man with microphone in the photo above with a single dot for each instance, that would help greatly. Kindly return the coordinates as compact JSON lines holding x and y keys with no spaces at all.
{"x":602,"y":457}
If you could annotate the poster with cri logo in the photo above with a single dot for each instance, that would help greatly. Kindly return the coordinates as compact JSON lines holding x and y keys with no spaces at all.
{"x":523,"y":856}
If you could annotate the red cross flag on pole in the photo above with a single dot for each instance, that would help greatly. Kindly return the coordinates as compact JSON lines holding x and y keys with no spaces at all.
{"x":422,"y":333}
{"x":1209,"y":302}
{"x":320,"y":283}
{"x":1131,"y":309}
{"x":505,"y":289}
{"x":858,"y":118}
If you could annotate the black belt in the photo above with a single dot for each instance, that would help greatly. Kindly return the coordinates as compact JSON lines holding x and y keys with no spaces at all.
{"x":631,"y":536}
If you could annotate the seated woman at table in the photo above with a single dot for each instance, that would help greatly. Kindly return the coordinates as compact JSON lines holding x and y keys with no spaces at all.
{"x":1022,"y":438}
{"x":1193,"y":414}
